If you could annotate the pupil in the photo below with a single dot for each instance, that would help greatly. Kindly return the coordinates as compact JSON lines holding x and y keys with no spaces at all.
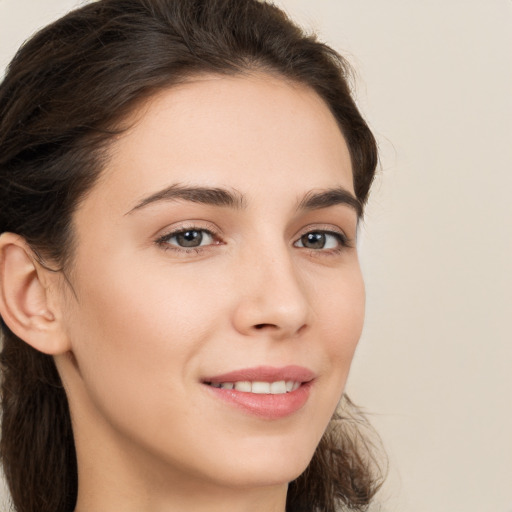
{"x":313,"y":240}
{"x":189,"y":238}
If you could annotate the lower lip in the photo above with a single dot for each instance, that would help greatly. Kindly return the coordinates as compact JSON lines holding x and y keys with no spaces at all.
{"x":266,"y":406}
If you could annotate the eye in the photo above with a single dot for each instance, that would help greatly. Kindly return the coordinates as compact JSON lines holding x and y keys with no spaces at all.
{"x":188,"y":238}
{"x":321,"y":240}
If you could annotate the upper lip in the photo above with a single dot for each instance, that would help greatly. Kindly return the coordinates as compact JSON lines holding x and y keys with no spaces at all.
{"x":265,"y":374}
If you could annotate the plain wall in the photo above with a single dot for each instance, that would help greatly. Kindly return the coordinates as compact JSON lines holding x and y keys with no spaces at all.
{"x":434,"y":79}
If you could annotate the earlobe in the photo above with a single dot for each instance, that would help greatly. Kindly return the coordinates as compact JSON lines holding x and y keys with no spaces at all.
{"x":25,"y":304}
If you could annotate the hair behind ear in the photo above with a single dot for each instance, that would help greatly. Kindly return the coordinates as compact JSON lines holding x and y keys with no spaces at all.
{"x":37,"y":447}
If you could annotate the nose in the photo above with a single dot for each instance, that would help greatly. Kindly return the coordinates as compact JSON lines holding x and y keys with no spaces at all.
{"x":272,"y":299}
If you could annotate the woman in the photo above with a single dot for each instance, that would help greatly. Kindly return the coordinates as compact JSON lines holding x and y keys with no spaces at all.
{"x":181,"y":184}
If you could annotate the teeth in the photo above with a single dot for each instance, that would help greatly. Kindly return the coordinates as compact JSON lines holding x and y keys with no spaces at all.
{"x":279,"y":387}
{"x":261,"y":388}
{"x":243,"y":386}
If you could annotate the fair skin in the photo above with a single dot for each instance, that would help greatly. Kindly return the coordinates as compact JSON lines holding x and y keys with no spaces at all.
{"x":140,"y":325}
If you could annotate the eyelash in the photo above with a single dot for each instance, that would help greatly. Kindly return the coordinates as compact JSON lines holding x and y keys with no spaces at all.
{"x":342,"y":242}
{"x":163,"y":241}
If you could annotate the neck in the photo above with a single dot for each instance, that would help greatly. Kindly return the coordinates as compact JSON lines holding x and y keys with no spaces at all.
{"x":175,"y":499}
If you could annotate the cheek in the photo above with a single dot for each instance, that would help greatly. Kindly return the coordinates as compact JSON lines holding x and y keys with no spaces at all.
{"x":137,"y":335}
{"x":341,"y":318}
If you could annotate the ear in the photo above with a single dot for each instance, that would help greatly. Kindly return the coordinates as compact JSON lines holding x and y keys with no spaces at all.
{"x":27,"y":297}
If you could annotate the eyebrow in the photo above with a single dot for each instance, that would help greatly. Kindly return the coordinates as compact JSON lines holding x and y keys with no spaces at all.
{"x":234,"y":199}
{"x":203,"y":195}
{"x":331,"y":197}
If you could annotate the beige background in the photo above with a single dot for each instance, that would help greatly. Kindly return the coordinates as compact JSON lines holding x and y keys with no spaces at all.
{"x":434,"y":365}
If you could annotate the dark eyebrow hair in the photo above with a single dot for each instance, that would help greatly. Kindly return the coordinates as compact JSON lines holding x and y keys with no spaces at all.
{"x":234,"y":199}
{"x":205,"y":195}
{"x":330,"y":197}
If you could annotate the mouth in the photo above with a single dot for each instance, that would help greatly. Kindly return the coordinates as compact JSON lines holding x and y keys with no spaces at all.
{"x":278,"y":387}
{"x":266,"y":392}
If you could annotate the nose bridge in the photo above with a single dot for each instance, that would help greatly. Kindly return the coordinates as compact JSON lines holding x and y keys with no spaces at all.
{"x":272,"y":296}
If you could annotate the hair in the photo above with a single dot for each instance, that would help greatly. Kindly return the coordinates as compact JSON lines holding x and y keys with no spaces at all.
{"x":61,"y":101}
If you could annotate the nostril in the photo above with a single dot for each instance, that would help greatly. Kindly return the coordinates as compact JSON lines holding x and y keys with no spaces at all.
{"x":262,"y":326}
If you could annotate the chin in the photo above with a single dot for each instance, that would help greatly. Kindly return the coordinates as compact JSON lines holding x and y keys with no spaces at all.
{"x":267,"y":466}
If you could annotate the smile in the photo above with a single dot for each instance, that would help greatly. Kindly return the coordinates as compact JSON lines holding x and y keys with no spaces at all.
{"x":266,"y":392}
{"x":259,"y":387}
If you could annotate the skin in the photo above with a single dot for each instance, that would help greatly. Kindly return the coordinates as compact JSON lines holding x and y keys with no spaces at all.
{"x":141,"y":322}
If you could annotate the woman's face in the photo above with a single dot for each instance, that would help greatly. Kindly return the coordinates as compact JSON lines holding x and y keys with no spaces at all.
{"x":217,"y":249}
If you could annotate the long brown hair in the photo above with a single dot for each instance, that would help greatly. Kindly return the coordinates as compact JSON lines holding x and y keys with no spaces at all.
{"x":61,"y":99}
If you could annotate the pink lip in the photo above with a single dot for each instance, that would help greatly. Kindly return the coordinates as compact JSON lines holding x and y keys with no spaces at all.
{"x":265,"y":374}
{"x":267,"y":406}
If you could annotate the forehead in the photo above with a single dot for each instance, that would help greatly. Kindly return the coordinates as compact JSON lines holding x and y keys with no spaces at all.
{"x":236,"y":131}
